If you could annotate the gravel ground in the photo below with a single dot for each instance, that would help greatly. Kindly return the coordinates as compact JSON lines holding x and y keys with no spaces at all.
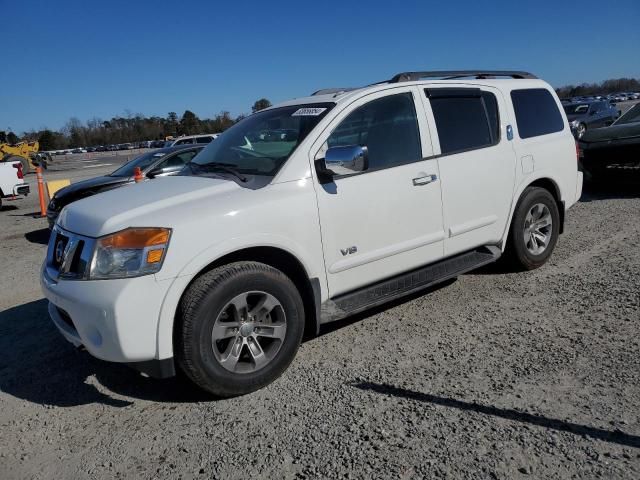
{"x":494,"y":375}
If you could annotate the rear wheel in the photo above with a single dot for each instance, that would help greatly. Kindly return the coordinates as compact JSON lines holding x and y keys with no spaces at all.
{"x":241,"y":326}
{"x":534,"y":229}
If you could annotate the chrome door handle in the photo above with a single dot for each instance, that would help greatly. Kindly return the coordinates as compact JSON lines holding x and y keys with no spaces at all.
{"x":424,"y":180}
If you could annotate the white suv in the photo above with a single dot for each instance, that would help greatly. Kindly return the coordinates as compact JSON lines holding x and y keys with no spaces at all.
{"x":372,"y":194}
{"x":192,"y":139}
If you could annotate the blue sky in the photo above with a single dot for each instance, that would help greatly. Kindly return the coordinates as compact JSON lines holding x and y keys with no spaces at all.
{"x":100,"y":59}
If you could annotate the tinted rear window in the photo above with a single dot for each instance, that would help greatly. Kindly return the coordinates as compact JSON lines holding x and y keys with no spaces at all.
{"x":466,"y":119}
{"x":536,"y":112}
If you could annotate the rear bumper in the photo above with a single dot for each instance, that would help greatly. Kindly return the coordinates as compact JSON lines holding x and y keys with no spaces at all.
{"x":22,"y":189}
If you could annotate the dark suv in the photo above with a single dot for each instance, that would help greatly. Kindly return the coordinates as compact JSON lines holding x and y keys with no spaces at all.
{"x":588,"y":115}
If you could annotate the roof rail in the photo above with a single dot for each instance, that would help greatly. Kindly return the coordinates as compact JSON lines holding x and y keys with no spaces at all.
{"x":453,"y":74}
{"x":329,"y":91}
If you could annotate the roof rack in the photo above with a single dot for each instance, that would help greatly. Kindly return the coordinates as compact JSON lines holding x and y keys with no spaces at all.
{"x":329,"y":91}
{"x":453,"y":74}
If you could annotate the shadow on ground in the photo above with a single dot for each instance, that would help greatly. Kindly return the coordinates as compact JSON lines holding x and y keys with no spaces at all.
{"x":38,"y":236}
{"x":612,"y":187}
{"x":615,"y":436}
{"x":29,"y":214}
{"x":6,"y":208}
{"x":38,"y":365}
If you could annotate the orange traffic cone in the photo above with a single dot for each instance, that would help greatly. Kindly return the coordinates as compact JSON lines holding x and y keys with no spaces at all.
{"x":43,"y":206}
{"x":137,"y":175}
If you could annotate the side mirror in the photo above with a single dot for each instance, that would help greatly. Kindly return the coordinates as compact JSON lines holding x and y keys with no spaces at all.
{"x":346,"y":160}
{"x":155,"y":172}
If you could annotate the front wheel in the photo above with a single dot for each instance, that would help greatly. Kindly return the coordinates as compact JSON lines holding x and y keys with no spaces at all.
{"x":580,"y":131}
{"x":239,"y":328}
{"x":534,"y":229}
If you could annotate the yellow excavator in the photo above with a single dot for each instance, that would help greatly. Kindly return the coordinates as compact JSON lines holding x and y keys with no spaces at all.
{"x":26,"y":153}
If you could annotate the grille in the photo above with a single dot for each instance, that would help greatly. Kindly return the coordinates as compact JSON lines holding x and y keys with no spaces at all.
{"x":68,"y":255}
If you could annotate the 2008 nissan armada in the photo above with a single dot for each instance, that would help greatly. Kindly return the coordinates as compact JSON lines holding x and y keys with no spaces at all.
{"x":310,"y":211}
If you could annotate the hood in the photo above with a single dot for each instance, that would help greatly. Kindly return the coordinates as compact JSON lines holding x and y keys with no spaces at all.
{"x":165,"y":202}
{"x":614,"y":132}
{"x":84,"y":188}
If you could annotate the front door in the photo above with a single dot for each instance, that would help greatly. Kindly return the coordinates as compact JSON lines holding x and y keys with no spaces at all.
{"x":387,"y":219}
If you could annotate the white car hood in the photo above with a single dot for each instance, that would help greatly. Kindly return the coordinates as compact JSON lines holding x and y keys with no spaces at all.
{"x":163,"y":202}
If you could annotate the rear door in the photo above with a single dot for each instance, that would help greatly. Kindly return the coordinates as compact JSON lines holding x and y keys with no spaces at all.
{"x":476,"y":160}
{"x":387,"y":219}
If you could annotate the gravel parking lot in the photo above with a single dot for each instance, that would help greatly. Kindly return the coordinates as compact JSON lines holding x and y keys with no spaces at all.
{"x":494,"y":375}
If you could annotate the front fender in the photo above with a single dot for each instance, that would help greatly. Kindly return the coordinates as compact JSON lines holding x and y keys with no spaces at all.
{"x":311,"y":263}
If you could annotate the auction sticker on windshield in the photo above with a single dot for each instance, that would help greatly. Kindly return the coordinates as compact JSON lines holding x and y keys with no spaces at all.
{"x":308,"y":112}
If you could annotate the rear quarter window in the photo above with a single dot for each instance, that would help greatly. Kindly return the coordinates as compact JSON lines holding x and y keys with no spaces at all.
{"x":536,"y":112}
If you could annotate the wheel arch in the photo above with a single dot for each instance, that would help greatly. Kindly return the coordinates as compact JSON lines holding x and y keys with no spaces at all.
{"x":275,"y":257}
{"x":552,"y":187}
{"x":548,"y":184}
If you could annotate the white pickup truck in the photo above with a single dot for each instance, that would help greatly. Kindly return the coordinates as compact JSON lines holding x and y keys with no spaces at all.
{"x":12,"y":181}
{"x":308,"y":212}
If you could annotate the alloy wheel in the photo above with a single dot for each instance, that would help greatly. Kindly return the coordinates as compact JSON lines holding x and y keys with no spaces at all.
{"x":249,"y":331}
{"x":538,"y":227}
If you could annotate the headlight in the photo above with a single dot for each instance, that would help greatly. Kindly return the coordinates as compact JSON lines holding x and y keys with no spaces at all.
{"x":129,"y":253}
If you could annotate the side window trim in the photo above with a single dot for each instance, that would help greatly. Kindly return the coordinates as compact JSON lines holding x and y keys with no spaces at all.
{"x":464,"y":92}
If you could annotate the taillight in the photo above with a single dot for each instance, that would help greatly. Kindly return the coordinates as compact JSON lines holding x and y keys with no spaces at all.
{"x":19,"y":173}
{"x":578,"y":152}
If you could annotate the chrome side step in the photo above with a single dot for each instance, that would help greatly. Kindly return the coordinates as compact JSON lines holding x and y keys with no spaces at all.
{"x":406,"y":283}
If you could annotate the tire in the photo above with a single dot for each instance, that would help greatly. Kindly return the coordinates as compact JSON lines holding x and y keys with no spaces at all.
{"x":582,"y":128}
{"x":226,"y":364}
{"x":524,"y":247}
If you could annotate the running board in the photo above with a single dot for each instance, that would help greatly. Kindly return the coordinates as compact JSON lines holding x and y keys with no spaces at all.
{"x":406,"y":283}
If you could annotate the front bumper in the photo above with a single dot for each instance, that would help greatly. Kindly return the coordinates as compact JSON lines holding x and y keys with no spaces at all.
{"x":115,"y":320}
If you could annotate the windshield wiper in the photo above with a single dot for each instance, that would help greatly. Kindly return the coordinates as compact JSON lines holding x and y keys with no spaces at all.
{"x":222,"y":167}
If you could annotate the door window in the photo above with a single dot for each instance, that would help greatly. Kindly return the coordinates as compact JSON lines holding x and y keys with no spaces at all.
{"x":466,"y":119}
{"x":388,"y":127}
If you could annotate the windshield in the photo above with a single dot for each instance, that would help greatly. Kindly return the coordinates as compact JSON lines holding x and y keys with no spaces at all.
{"x":143,"y":161}
{"x":262,"y":142}
{"x":576,"y":109}
{"x":630,"y":116}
